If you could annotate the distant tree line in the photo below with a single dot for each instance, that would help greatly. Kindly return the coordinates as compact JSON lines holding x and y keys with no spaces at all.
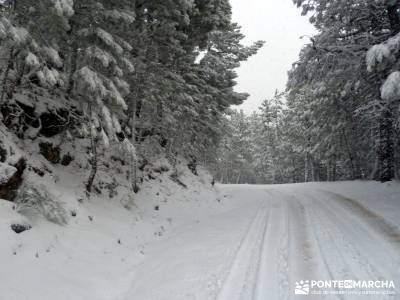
{"x":340,"y":116}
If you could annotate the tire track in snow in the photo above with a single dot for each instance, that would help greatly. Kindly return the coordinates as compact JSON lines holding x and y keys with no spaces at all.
{"x":302,"y":251}
{"x":374,"y":260}
{"x":342,"y":257}
{"x":329,"y":253}
{"x":379,"y":223}
{"x":351,"y":256}
{"x":273,"y":271}
{"x":300,"y":229}
{"x":252,"y":272}
{"x":301,"y":237}
{"x":283,"y":260}
{"x":282,"y":244}
{"x":240,"y":280}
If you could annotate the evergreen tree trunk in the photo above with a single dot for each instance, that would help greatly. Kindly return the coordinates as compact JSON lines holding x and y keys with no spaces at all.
{"x":386,"y":154}
{"x":73,"y":59}
{"x":294,"y":178}
{"x":328,"y":170}
{"x":9,"y":66}
{"x":10,"y":62}
{"x":312,"y":167}
{"x":386,"y":159}
{"x":133,"y":141}
{"x":238,"y":177}
{"x":306,"y":167}
{"x":354,"y":162}
{"x":397,"y":153}
{"x":394,"y":17}
{"x":334,"y":168}
{"x":73,"y":68}
{"x":94,"y":158}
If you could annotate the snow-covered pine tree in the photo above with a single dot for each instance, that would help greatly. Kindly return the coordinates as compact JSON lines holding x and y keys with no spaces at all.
{"x":234,"y":163}
{"x":271,"y":136}
{"x":32,"y":45}
{"x":99,"y":64}
{"x":382,"y":59}
{"x":157,"y":35}
{"x":169,"y":91}
{"x":347,"y":99}
{"x":338,"y":106}
{"x":212,"y":80}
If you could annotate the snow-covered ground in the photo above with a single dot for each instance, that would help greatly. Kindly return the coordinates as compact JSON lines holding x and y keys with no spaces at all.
{"x":237,"y":242}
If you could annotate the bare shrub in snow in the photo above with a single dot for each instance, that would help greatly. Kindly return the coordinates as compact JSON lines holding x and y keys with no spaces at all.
{"x":32,"y":200}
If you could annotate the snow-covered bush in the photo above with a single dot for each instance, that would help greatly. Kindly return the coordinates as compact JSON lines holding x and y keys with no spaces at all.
{"x":32,"y":200}
{"x":6,"y":172}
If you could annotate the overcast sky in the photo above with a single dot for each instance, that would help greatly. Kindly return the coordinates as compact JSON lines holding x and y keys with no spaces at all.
{"x":280,"y":24}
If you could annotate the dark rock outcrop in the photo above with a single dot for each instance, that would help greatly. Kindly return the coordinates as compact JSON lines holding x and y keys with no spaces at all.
{"x":50,"y":152}
{"x":19,"y":228}
{"x":67,"y":159}
{"x":9,"y":187}
{"x":54,"y":122}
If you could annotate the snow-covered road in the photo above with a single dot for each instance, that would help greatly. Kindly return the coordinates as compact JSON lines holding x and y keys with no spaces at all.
{"x":273,"y":237}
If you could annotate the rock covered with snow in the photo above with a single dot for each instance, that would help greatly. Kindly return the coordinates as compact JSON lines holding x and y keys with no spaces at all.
{"x":6,"y":172}
{"x":11,"y":177}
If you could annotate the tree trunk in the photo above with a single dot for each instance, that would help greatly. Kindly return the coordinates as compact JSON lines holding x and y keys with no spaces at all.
{"x":312,"y":168}
{"x":133,"y":141}
{"x":397,"y":151}
{"x":328,"y":170}
{"x":386,"y":158}
{"x":93,"y":159}
{"x":334,"y":168}
{"x":294,"y":171}
{"x":306,"y":166}
{"x":73,"y":69}
{"x":73,"y":59}
{"x":9,"y":66}
{"x":394,"y":17}
{"x":10,"y":61}
{"x":238,"y":177}
{"x":355,"y":171}
{"x":386,"y":147}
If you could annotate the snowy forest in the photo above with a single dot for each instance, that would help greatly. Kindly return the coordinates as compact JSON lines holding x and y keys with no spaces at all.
{"x":130,"y":170}
{"x":339,"y":118}
{"x":157,"y":78}
{"x":143,"y":79}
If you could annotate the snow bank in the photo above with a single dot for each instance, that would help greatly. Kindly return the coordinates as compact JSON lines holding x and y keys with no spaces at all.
{"x":120,"y":245}
{"x":89,"y":249}
{"x":381,"y":198}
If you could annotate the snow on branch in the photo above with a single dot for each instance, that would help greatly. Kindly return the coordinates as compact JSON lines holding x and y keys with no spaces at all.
{"x":376,"y":55}
{"x":390,"y":90}
{"x":64,"y":7}
{"x":108,"y":39}
{"x":101,"y":55}
{"x":89,"y":82}
{"x":117,"y":15}
{"x":32,"y":60}
{"x":380,"y":54}
{"x":53,"y":56}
